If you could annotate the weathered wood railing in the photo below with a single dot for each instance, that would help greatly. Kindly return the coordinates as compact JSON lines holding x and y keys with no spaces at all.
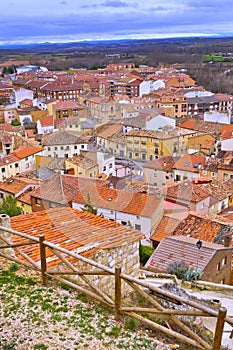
{"x":115,"y":301}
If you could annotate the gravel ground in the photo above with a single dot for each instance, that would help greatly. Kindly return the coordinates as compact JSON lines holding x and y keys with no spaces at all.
{"x":34,"y":317}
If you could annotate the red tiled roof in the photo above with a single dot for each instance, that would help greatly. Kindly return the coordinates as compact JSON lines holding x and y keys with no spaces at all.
{"x":47,"y":121}
{"x":165,"y":228}
{"x":165,"y":163}
{"x":64,"y":188}
{"x":198,"y":226}
{"x":65,"y":105}
{"x":6,"y":127}
{"x":190,"y":162}
{"x":15,"y":185}
{"x":136,"y":203}
{"x":227,"y":134}
{"x":26,"y":151}
{"x":183,"y":249}
{"x":8,"y":160}
{"x":185,"y":190}
{"x":29,"y":133}
{"x":27,"y":101}
{"x":72,"y":229}
{"x":207,"y":144}
{"x":109,"y":131}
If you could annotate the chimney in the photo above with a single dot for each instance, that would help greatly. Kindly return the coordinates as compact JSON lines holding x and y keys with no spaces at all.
{"x":227,"y":241}
{"x":5,"y":235}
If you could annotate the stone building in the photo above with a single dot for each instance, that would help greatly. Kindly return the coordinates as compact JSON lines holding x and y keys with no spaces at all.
{"x":91,"y":236}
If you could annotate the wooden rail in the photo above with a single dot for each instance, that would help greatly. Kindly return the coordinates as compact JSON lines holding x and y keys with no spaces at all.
{"x":71,"y":272}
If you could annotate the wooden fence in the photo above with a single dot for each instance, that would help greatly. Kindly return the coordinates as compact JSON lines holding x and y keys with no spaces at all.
{"x":115,"y":301}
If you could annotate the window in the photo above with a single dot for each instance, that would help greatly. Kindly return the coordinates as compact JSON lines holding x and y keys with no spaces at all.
{"x":61,"y":147}
{"x":55,"y":148}
{"x":52,"y":205}
{"x":224,"y":261}
{"x":104,"y":168}
{"x":3,"y":170}
{"x":123,"y":223}
{"x":137,"y":227}
{"x":212,"y":174}
{"x":49,"y":148}
{"x":1,"y":195}
{"x":16,"y":165}
{"x":110,"y":165}
{"x":38,"y":201}
{"x":75,"y":147}
{"x":218,"y":267}
{"x":66,"y":155}
{"x":82,"y":146}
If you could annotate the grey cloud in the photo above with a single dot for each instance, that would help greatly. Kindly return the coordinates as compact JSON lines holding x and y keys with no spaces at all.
{"x":114,"y":3}
{"x":88,"y":6}
{"x":63,"y":2}
{"x":97,"y":24}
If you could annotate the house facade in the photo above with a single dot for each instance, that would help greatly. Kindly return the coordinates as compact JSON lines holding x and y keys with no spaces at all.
{"x":64,"y":144}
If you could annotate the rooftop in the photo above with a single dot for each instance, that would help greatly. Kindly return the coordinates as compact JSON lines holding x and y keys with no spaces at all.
{"x":180,"y":248}
{"x":26,"y":151}
{"x":72,"y":229}
{"x":136,"y":203}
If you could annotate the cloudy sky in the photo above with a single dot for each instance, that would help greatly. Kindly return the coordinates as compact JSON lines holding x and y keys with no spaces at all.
{"x":73,"y":20}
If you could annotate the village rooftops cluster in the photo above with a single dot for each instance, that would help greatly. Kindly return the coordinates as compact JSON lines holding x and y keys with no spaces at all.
{"x":143,"y":146}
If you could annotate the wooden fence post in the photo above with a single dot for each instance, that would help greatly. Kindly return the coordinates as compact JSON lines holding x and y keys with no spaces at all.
{"x":43,"y":260}
{"x":219,"y":328}
{"x":117,"y":292}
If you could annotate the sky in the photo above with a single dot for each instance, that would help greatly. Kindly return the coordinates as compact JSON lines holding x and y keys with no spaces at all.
{"x":31,"y":21}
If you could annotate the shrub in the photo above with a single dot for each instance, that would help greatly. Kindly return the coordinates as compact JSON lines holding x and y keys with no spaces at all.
{"x":183,"y":271}
{"x":131,"y":323}
{"x":14,"y":267}
{"x":145,"y":252}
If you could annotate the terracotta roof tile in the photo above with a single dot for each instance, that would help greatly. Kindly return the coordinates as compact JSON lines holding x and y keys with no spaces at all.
{"x":46,"y":121}
{"x":136,"y":203}
{"x":64,"y":188}
{"x":26,"y":151}
{"x":110,"y":131}
{"x":15,"y":185}
{"x":190,"y":162}
{"x":165,"y":163}
{"x":165,"y":228}
{"x":185,"y":190}
{"x":72,"y":229}
{"x":64,"y":137}
{"x":27,"y":101}
{"x":184,"y":249}
{"x":8,"y":160}
{"x":65,"y":105}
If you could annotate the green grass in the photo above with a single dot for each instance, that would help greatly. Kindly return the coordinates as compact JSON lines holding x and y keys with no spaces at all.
{"x":39,"y":317}
{"x":214,"y":58}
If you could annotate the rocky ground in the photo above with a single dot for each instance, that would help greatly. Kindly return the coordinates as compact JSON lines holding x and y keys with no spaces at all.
{"x":54,"y":318}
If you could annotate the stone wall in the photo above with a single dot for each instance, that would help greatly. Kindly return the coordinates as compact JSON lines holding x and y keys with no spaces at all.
{"x":126,"y":256}
{"x":5,"y":235}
